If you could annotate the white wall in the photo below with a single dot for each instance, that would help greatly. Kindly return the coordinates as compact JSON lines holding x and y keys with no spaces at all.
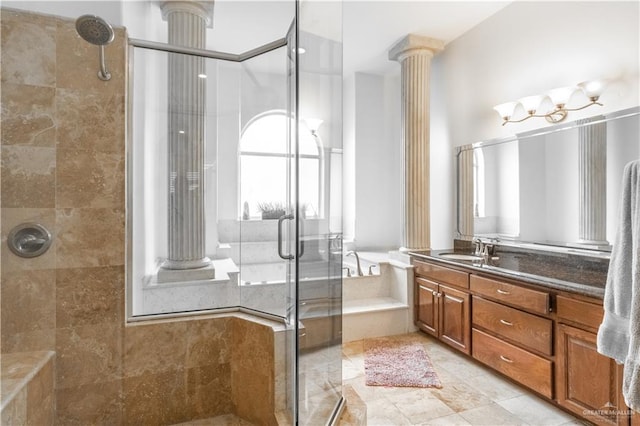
{"x":531,"y":47}
{"x":349,"y":158}
{"x":526,"y":48}
{"x":373,"y":162}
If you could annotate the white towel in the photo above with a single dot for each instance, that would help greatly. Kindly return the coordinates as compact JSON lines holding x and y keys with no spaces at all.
{"x":619,"y":333}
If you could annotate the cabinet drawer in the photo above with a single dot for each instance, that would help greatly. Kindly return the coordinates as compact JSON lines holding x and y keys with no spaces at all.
{"x":441,"y":274}
{"x":584,"y":313}
{"x":531,"y":370}
{"x":533,"y":300}
{"x":525,"y":329}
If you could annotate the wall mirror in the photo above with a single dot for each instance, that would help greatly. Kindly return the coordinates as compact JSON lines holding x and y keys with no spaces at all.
{"x":557,"y":186}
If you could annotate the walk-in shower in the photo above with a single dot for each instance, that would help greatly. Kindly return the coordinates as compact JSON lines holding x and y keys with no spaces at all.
{"x":234,"y":186}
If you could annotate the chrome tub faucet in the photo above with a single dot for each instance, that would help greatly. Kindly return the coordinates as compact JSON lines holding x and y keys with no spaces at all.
{"x":360,"y":274}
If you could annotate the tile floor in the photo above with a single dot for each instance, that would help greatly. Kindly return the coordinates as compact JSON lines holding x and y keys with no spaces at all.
{"x":471,"y":394}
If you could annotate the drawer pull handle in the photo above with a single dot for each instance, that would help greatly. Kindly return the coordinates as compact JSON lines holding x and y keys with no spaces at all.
{"x":500,"y":291}
{"x":505,"y":359}
{"x":505,"y":322}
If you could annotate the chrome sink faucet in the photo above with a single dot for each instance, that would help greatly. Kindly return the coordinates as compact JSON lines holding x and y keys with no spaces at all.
{"x":360,"y":274}
{"x":484,"y":249}
{"x":478,"y":247}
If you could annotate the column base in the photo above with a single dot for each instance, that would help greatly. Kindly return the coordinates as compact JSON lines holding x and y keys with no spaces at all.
{"x":595,"y":244}
{"x":408,"y":249}
{"x":166,"y":275}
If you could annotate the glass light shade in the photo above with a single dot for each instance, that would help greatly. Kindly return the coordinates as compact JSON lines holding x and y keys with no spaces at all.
{"x":561,"y":95}
{"x":592,"y":89}
{"x":531,"y":103}
{"x":506,"y":109}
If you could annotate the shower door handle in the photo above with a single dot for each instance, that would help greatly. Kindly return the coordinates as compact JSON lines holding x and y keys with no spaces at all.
{"x":280,"y":220}
{"x":301,"y":236}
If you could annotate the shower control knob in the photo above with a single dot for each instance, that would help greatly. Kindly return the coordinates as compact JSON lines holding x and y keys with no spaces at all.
{"x":29,"y":240}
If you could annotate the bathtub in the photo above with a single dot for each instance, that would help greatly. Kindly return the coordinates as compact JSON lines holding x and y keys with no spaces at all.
{"x":263,"y":288}
{"x":380,"y":304}
{"x":374,"y":305}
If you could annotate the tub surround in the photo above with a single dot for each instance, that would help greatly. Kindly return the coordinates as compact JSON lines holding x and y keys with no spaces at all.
{"x":379,"y":304}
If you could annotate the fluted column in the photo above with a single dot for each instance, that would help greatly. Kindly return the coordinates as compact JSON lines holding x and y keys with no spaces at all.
{"x":592,"y":170}
{"x":187,"y":22}
{"x":467,"y":209}
{"x":414,"y":54}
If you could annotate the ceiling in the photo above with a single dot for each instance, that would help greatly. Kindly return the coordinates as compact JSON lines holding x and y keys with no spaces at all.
{"x":370,"y":28}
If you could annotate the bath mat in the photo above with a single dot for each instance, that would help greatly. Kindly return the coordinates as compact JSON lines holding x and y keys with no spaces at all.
{"x":390,"y":362}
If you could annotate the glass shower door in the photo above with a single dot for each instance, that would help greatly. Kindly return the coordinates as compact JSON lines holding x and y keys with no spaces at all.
{"x":317,"y":97}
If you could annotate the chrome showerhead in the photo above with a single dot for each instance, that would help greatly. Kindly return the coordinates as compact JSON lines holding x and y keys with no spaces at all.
{"x":96,"y":31}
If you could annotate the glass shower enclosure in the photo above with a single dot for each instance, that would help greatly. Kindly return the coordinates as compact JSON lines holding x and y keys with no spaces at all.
{"x":234,"y":178}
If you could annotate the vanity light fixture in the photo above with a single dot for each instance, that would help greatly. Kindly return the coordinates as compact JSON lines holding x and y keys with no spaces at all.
{"x":559,"y":98}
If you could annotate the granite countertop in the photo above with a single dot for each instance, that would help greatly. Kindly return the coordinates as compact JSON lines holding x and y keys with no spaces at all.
{"x":565,"y":271}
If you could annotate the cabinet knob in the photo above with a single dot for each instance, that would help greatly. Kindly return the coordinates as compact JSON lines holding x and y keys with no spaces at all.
{"x":435,"y":293}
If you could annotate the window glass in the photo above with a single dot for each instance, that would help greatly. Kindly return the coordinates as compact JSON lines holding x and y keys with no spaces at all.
{"x":263,"y":167}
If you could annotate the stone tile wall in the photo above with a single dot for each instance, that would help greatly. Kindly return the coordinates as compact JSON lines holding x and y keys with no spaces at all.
{"x":63,"y":165}
{"x":27,"y":388}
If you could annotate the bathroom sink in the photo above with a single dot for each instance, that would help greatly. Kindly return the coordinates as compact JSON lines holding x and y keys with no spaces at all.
{"x":460,"y":256}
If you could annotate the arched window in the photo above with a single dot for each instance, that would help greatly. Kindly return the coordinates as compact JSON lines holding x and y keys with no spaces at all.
{"x":264,"y":164}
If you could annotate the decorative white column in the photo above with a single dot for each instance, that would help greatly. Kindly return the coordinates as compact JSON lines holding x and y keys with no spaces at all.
{"x":467,"y":209}
{"x":592,"y":171}
{"x":187,"y":22}
{"x":414,"y":54}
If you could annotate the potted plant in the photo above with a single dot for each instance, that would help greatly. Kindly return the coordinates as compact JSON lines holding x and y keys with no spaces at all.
{"x":271,"y":210}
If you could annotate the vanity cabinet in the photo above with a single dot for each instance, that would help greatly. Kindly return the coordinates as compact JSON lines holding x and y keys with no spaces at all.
{"x":587,"y":383}
{"x":540,"y":337}
{"x":442,"y":305}
{"x":515,"y":342}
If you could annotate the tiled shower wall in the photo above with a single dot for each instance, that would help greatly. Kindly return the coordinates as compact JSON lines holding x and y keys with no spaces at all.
{"x":63,"y":165}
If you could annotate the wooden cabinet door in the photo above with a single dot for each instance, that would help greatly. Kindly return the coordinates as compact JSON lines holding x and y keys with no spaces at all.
{"x":588,"y":382}
{"x":427,"y":306}
{"x":454,"y":318}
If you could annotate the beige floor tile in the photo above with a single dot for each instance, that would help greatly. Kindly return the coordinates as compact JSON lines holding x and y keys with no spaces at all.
{"x":461,"y":397}
{"x":384,"y":413}
{"x":491,"y":415}
{"x":450,"y":420}
{"x":495,"y":387}
{"x":420,"y":407}
{"x":535,"y":411}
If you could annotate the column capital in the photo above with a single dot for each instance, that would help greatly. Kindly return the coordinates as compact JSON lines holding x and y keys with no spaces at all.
{"x":203,"y":9}
{"x":413,"y":44}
